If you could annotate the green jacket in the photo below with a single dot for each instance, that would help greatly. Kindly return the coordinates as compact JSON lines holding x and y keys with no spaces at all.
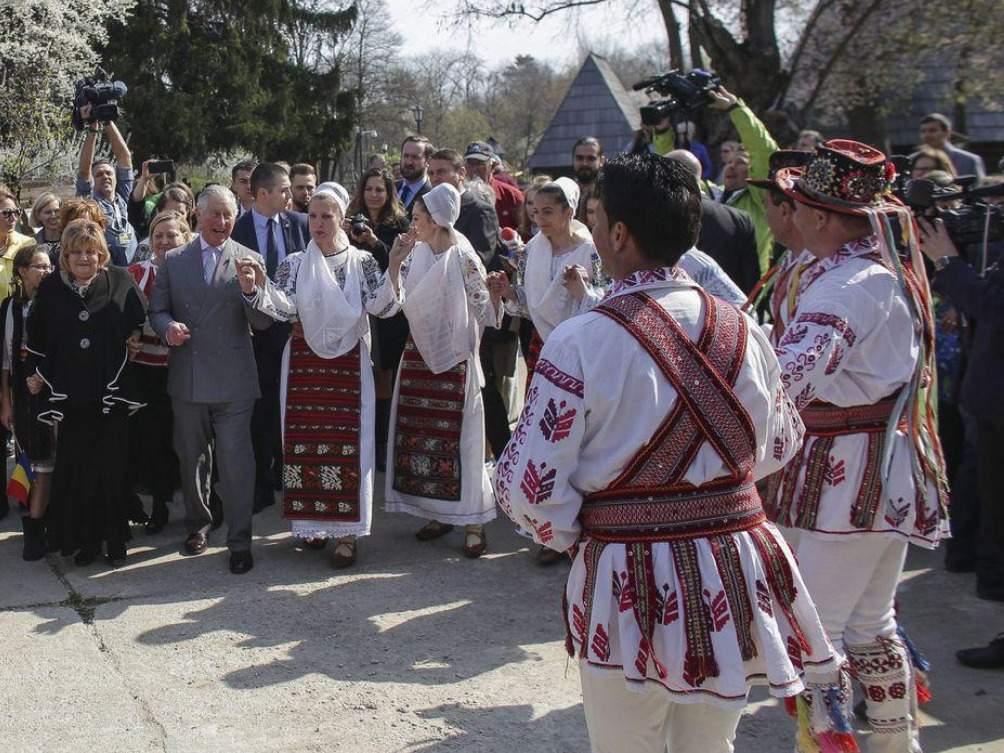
{"x":663,"y":143}
{"x":759,"y":145}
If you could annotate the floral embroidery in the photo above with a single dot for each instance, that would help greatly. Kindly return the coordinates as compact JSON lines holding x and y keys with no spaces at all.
{"x":829,"y":320}
{"x":555,"y":424}
{"x":833,"y":362}
{"x":538,"y":484}
{"x":793,"y":336}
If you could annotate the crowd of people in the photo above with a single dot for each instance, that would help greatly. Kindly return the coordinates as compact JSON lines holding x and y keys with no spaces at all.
{"x":729,"y":423}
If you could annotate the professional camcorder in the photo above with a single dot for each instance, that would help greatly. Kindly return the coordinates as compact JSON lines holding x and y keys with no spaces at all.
{"x":684,"y":92}
{"x":102,"y":94}
{"x":969,"y":219}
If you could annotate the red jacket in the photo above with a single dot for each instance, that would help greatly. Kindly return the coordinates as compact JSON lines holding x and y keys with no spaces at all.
{"x":508,"y":201}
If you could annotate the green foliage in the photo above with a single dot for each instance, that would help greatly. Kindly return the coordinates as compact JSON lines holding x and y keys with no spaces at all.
{"x":208,"y":76}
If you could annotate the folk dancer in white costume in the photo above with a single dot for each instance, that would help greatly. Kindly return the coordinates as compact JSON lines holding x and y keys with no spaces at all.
{"x":853,"y":333}
{"x":436,"y":445}
{"x":647,"y":422}
{"x":328,"y":401}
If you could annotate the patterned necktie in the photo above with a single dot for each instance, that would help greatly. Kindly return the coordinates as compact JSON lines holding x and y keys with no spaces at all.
{"x":209,"y":264}
{"x":271,"y":250}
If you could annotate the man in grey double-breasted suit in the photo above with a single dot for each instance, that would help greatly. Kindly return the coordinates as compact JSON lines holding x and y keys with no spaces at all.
{"x":197,"y":308}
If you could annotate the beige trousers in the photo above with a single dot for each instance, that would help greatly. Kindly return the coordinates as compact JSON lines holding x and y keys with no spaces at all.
{"x":621,"y":720}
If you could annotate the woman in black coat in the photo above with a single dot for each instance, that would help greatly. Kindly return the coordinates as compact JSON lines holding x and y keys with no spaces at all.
{"x":386,"y":219}
{"x":78,"y":361}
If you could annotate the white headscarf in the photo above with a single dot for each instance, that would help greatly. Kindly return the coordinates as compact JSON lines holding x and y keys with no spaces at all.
{"x":338,"y":191}
{"x":571,"y":190}
{"x":443,"y":203}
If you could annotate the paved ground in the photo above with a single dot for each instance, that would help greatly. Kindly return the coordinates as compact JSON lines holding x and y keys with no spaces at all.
{"x":416,"y":649}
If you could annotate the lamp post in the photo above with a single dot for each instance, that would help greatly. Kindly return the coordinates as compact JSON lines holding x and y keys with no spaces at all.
{"x":418,"y":112}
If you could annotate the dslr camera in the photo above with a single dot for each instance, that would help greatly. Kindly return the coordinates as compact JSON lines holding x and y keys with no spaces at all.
{"x":973,"y":222}
{"x":684,"y":93}
{"x":102,"y":94}
{"x":358,"y":223}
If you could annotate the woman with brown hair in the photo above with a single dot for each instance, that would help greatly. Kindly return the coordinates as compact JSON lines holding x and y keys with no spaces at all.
{"x":18,"y":408}
{"x":386,"y":219}
{"x":152,"y":461}
{"x":78,"y":362}
{"x":928,"y":159}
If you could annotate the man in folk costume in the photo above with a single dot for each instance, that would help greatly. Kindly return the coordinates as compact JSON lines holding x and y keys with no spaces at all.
{"x":327,"y":396}
{"x":436,"y":447}
{"x":854,"y":336}
{"x":648,"y":420}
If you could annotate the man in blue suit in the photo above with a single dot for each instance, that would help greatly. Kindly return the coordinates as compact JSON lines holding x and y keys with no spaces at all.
{"x":275,"y":234}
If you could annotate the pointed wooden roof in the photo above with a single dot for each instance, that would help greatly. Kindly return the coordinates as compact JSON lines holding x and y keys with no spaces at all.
{"x":596,"y":104}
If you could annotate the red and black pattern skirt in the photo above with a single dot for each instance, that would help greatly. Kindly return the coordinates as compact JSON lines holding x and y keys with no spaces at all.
{"x":322,"y":471}
{"x":430,"y":415}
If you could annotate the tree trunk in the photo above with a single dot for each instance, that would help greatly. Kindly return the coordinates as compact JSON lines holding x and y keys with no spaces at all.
{"x":673,"y":32}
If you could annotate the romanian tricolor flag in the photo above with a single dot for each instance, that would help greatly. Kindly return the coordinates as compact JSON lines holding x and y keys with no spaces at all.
{"x":20,"y":480}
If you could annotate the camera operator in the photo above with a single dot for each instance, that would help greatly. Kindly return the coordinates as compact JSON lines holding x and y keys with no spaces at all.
{"x":982,"y":299}
{"x":753,"y":161}
{"x":110,"y":186}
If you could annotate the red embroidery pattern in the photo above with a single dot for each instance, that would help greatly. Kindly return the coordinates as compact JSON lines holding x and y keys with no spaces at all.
{"x":718,"y":608}
{"x":505,"y":470}
{"x":780,"y":445}
{"x":559,"y":378}
{"x":829,"y":320}
{"x":538,"y":484}
{"x":833,"y":363}
{"x":835,"y":472}
{"x":730,"y":570}
{"x":556,"y":423}
{"x":896,"y":512}
{"x":601,"y":644}
{"x":793,"y":336}
{"x":763,"y":598}
{"x":670,"y":607}
{"x":544,"y":532}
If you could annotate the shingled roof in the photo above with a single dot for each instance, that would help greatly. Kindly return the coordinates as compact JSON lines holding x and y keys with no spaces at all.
{"x":596,"y":104}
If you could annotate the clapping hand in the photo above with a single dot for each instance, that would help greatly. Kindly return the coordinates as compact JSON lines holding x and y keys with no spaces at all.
{"x":403,"y":245}
{"x":34,"y":384}
{"x":499,"y":286}
{"x":575,"y":281}
{"x":251,"y":274}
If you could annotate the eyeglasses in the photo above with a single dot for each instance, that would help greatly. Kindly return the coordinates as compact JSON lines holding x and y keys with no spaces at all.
{"x":8,"y":213}
{"x":41,"y":267}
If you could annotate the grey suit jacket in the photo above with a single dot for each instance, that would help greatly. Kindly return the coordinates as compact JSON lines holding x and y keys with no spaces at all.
{"x":216,"y":364}
{"x":966,"y":163}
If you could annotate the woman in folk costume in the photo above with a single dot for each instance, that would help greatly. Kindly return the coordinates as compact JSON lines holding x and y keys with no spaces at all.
{"x":328,"y":398}
{"x":559,"y":270}
{"x":436,"y":448}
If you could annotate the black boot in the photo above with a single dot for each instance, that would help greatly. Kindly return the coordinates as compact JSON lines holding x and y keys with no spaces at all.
{"x":34,"y":539}
{"x":4,"y":506}
{"x":158,"y":518}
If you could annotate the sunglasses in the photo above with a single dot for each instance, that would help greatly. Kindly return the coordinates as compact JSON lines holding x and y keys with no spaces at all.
{"x":8,"y":213}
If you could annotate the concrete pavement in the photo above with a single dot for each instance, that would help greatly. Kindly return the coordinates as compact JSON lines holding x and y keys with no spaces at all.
{"x":414,"y":649}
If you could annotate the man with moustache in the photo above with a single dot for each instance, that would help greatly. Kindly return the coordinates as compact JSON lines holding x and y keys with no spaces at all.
{"x":415,"y":154}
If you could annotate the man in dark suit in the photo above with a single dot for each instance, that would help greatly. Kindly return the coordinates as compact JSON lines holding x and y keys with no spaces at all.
{"x":499,"y":347}
{"x":727,"y":234}
{"x":274,"y":233}
{"x":415,"y":154}
{"x":198,"y":309}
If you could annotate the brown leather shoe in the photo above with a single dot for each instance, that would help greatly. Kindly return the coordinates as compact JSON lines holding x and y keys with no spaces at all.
{"x":475,"y":544}
{"x":195,"y":544}
{"x":344,"y":554}
{"x":433,"y":530}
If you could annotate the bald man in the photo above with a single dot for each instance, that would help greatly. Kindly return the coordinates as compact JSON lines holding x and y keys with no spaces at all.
{"x":727,"y":234}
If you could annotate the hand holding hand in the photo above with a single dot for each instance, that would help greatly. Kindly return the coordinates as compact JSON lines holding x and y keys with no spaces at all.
{"x":176,"y":334}
{"x":575,"y":280}
{"x":250,"y":274}
{"x":403,"y":246}
{"x":722,"y":99}
{"x":499,"y":285}
{"x":935,"y":241}
{"x":34,"y":384}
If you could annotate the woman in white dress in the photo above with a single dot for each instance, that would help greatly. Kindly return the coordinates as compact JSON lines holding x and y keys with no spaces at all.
{"x":436,"y":446}
{"x":559,"y":273}
{"x":328,"y":399}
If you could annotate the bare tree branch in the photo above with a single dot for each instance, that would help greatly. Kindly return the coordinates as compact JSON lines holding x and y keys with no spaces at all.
{"x":520,"y":10}
{"x":810,"y":26}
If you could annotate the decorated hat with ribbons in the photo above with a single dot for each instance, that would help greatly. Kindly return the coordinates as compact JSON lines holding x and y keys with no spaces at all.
{"x":779,"y":160}
{"x":842,"y":176}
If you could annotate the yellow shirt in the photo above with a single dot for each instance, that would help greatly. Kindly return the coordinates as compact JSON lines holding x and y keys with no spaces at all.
{"x":15,"y":242}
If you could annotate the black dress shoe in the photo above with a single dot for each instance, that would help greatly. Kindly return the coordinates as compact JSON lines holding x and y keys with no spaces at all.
{"x":241,"y":562}
{"x":4,"y":506}
{"x":196,"y":543}
{"x":986,"y":657}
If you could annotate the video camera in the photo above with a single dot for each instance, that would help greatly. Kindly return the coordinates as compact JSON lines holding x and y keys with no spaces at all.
{"x":974,"y":222}
{"x":684,"y":92}
{"x":102,"y":94}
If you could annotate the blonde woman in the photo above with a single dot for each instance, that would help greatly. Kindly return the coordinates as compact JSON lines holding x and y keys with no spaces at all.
{"x":45,"y":216}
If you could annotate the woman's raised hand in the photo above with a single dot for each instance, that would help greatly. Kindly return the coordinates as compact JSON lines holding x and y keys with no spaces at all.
{"x":575,"y":281}
{"x":251,"y":274}
{"x":403,"y":245}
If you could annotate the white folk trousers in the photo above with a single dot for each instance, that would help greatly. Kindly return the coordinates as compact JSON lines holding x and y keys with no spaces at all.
{"x":853,"y":584}
{"x":622,"y":720}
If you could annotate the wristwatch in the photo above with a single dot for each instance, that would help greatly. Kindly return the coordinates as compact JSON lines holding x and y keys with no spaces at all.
{"x":941,"y":262}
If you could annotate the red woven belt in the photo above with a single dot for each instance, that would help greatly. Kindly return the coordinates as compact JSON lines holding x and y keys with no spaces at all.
{"x":666,"y":514}
{"x":830,"y":420}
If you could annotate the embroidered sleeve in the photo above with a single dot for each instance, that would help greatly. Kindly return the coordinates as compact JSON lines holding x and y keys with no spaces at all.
{"x":377,"y":291}
{"x":596,"y":290}
{"x":478,"y":298}
{"x":278,"y":299}
{"x":707,"y":273}
{"x":783,"y":429}
{"x":812,"y":351}
{"x":532,"y":478}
